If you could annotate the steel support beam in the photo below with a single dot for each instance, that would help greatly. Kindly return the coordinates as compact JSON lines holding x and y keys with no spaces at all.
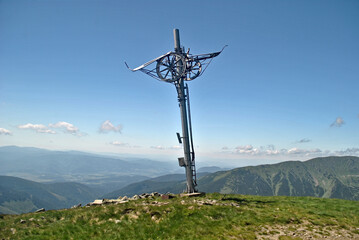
{"x":184,"y":119}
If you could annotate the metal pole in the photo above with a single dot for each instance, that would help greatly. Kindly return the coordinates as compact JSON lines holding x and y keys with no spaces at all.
{"x":177,"y":40}
{"x":182,"y":104}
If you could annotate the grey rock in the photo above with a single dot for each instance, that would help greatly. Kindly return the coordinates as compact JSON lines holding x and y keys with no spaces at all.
{"x":77,"y":206}
{"x":136,"y":197}
{"x":40,"y":210}
{"x":155,"y":194}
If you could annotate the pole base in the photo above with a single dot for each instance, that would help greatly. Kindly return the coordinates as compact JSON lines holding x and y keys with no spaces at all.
{"x":196,"y":194}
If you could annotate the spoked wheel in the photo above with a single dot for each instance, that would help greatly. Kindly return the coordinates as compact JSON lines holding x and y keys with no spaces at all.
{"x":170,"y":68}
{"x":193,"y":70}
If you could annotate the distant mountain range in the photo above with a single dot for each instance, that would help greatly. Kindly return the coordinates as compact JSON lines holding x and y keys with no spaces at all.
{"x":59,"y":178}
{"x":102,"y":172}
{"x":328,"y":177}
{"x":20,"y":196}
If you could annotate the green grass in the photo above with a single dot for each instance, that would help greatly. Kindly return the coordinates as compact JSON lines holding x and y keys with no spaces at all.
{"x":230,"y":217}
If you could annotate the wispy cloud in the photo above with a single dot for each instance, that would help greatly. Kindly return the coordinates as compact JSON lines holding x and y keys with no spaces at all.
{"x":39,"y":128}
{"x":175,"y":147}
{"x":304,"y":140}
{"x":160,"y":147}
{"x":67,"y":128}
{"x":246,"y":149}
{"x":107,"y":126}
{"x":348,"y":151}
{"x":305,"y":152}
{"x":338,"y":122}
{"x":4,"y":131}
{"x":119,"y":144}
{"x":270,"y":150}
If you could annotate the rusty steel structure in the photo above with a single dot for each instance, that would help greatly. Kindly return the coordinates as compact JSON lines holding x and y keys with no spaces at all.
{"x":177,"y":67}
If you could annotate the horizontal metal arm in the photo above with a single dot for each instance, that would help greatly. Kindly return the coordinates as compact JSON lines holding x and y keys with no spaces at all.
{"x":147,"y":63}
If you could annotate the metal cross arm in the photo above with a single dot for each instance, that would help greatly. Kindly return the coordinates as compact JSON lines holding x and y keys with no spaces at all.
{"x":172,"y":66}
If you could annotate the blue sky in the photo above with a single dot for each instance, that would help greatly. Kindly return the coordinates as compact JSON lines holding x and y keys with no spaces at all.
{"x":286,"y":88}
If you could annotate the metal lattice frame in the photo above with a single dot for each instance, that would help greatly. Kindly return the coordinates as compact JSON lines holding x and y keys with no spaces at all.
{"x":165,"y":67}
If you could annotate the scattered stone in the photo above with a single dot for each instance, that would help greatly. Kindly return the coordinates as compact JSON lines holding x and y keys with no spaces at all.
{"x":167,"y":196}
{"x":31,"y":219}
{"x":155,"y":194}
{"x":13,"y":230}
{"x":136,"y":197}
{"x":144,"y":195}
{"x":107,"y":201}
{"x":22,"y":221}
{"x":114,"y":220}
{"x":40,"y":210}
{"x":125,"y":199}
{"x":133,"y":216}
{"x":97,"y":202}
{"x":77,"y":206}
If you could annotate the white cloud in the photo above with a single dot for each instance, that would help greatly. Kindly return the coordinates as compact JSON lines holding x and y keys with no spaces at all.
{"x":107,"y":126}
{"x":247,"y":149}
{"x":4,"y":131}
{"x":39,"y":128}
{"x":175,"y":147}
{"x":158,"y":147}
{"x":338,"y":122}
{"x":296,"y":151}
{"x":270,"y":150}
{"x":67,"y":127}
{"x":119,"y":144}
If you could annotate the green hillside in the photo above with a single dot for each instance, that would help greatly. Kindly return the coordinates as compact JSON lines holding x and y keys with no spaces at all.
{"x":214,"y":216}
{"x":328,"y":177}
{"x":19,"y":195}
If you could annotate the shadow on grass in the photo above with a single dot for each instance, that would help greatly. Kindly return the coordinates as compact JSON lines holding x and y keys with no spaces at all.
{"x":246,"y":201}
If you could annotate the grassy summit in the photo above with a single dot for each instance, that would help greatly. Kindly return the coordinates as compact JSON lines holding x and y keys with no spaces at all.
{"x":214,"y":216}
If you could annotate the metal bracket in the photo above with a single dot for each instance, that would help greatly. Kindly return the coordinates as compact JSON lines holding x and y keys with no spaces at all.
{"x":179,"y":138}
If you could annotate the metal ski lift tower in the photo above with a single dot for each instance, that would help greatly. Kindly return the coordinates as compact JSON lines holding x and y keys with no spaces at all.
{"x":176,"y":68}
